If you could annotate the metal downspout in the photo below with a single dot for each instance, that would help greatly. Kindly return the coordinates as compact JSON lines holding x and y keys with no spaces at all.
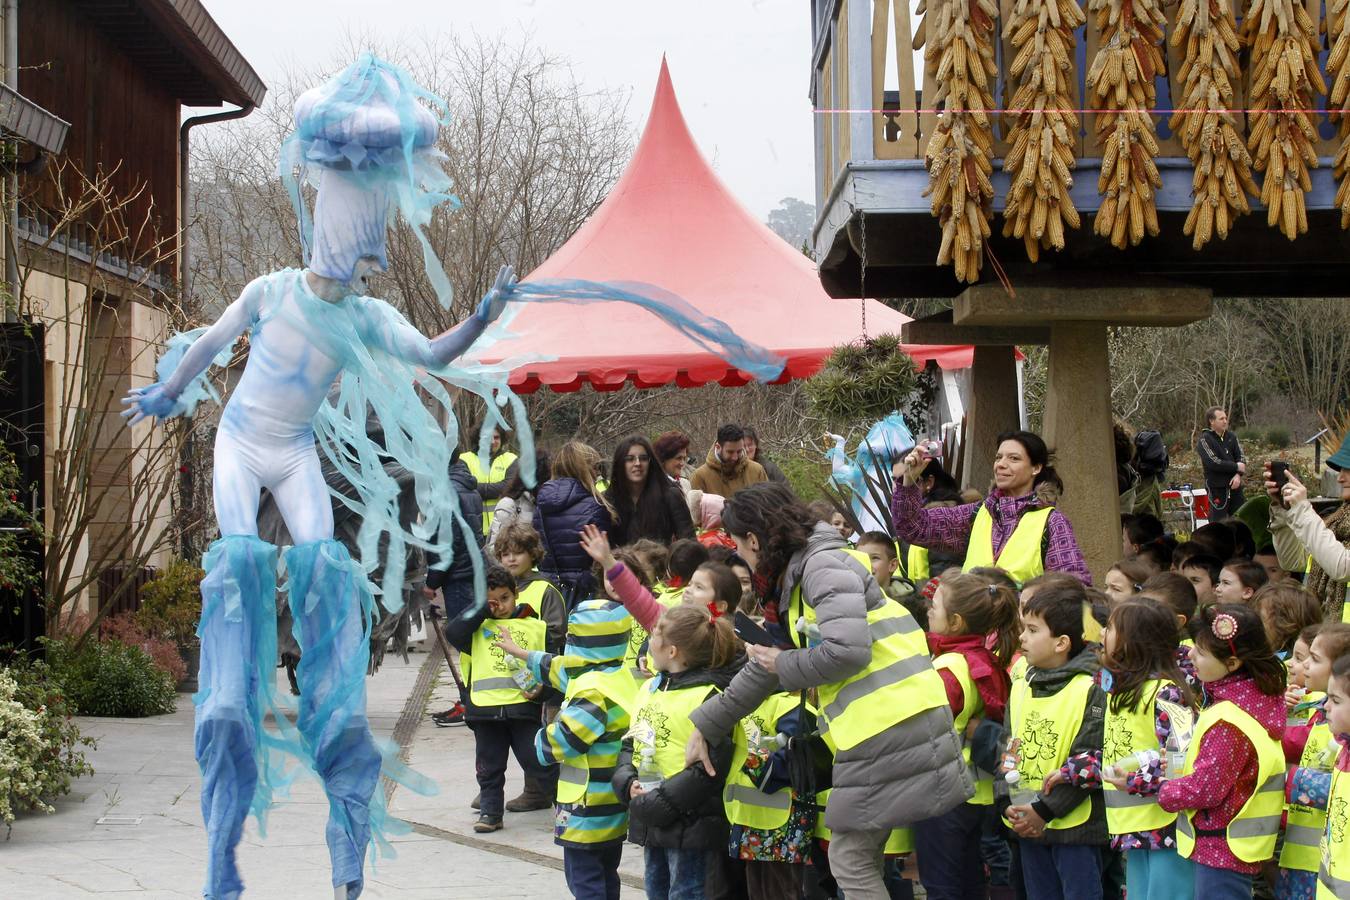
{"x":11,"y":312}
{"x":184,"y":196}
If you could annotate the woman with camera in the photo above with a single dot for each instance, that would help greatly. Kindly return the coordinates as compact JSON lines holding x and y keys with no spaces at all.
{"x":1299,"y":533}
{"x":1016,"y":527}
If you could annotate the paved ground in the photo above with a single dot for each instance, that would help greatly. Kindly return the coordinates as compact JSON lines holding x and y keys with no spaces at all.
{"x":152,"y":844}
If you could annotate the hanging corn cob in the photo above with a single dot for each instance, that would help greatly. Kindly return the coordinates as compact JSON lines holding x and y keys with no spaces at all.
{"x":1120,"y":82}
{"x":1207,"y":32}
{"x":1284,"y":42}
{"x":1041,"y":157}
{"x":1338,"y":100}
{"x":960,"y":51}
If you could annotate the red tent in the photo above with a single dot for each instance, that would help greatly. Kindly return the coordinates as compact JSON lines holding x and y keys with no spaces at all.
{"x":671,"y":222}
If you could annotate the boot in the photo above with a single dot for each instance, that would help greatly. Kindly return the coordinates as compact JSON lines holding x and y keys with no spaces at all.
{"x":533,"y":797}
{"x":477,"y":801}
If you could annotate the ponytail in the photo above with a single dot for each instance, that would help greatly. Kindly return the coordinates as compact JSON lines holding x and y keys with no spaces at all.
{"x":706,"y":641}
{"x":987,"y":606}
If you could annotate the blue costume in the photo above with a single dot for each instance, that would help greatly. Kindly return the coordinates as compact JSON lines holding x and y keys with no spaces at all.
{"x":366,"y":142}
{"x":887,"y":441}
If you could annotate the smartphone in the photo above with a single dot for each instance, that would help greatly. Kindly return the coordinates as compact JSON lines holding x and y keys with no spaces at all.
{"x":1279,"y":472}
{"x":750,"y":631}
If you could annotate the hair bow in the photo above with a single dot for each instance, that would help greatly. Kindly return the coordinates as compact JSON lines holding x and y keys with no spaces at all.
{"x":1225,"y":628}
{"x":716,"y":613}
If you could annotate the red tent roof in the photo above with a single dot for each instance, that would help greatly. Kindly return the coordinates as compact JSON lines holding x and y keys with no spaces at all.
{"x":671,"y":222}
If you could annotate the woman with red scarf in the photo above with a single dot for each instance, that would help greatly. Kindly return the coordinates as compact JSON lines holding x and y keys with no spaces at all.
{"x":973,"y":629}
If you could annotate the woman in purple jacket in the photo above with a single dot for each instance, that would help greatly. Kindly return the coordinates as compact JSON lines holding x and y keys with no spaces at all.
{"x":1016,"y":527}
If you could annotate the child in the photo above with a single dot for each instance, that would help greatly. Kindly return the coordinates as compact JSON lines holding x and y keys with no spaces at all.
{"x":1298,"y":700}
{"x":1177,"y":594}
{"x":1275,"y":573}
{"x":685,"y":558}
{"x":749,"y":604}
{"x":675,"y":811}
{"x":502,"y":715}
{"x":1149,"y":702}
{"x":599,"y":695}
{"x":1202,"y":572}
{"x":1126,"y":578}
{"x":655,"y":558}
{"x":1239,"y":580}
{"x":1230,"y":790}
{"x":973,"y":634}
{"x":1334,"y":871}
{"x":1286,"y":609}
{"x":519,"y":550}
{"x":1184,"y":551}
{"x":1018,"y":670}
{"x":885,"y":556}
{"x":1310,"y":780}
{"x":1056,"y":713}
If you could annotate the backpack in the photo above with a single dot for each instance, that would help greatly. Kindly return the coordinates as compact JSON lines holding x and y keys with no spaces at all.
{"x":1150,"y":454}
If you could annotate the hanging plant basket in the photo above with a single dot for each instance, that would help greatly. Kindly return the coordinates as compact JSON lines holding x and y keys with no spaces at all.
{"x":863,"y":381}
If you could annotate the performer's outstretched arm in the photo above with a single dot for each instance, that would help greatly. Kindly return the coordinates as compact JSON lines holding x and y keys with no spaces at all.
{"x":160,"y":400}
{"x":402,"y":340}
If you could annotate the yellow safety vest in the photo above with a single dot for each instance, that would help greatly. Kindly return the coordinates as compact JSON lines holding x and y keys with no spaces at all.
{"x":1021,"y":556}
{"x":662,"y":723}
{"x":745,"y":804}
{"x":1305,"y":825}
{"x":486,"y":671}
{"x":1333,"y":875}
{"x":638,"y":635}
{"x":494,"y":474}
{"x":900,"y":842}
{"x":1046,"y":727}
{"x":972,"y":708}
{"x":898,"y":682}
{"x":1251,"y":834}
{"x":916,"y":564}
{"x":1126,"y":733}
{"x":619,"y":688}
{"x":1018,"y":670}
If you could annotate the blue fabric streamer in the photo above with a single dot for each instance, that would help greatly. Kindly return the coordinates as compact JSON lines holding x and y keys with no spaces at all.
{"x":888,"y":440}
{"x":199,"y":388}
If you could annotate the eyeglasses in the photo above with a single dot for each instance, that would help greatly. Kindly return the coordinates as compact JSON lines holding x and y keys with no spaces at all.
{"x":637,"y":459}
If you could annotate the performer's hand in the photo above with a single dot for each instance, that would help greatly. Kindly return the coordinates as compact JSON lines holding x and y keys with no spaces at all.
{"x":596,"y":544}
{"x":148,"y":401}
{"x":494,"y":301}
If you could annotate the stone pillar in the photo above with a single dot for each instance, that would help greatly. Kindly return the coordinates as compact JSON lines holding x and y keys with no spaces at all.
{"x":1078,"y":427}
{"x":993,"y":410}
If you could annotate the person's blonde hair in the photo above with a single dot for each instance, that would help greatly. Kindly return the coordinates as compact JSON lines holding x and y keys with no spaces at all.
{"x":578,"y":460}
{"x":703,"y":641}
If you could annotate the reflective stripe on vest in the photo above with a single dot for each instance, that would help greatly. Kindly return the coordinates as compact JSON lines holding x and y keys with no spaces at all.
{"x":1333,"y":875}
{"x":745,"y":804}
{"x":662,"y":722}
{"x":1021,"y":556}
{"x":490,"y":681}
{"x":900,"y":842}
{"x":1251,"y":834}
{"x":1303,"y":831}
{"x":1047,"y":727}
{"x":898,"y":682}
{"x":618,"y":687}
{"x":972,"y":708}
{"x":495,"y":474}
{"x":1128,"y":732}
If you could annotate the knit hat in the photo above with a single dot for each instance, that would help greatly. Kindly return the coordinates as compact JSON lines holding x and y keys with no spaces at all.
{"x":597,"y":634}
{"x":1341,"y":458}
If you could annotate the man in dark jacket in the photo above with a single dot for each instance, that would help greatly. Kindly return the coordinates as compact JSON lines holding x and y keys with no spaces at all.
{"x":454,"y":578}
{"x":1221,"y":456}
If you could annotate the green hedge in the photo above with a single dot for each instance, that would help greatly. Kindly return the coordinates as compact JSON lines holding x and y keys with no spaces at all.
{"x":110,"y":678}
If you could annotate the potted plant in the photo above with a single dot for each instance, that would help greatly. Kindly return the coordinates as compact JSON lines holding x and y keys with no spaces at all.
{"x":171,"y":605}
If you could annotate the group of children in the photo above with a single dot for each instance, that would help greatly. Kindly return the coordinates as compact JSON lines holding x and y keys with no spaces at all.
{"x":1179,"y":734}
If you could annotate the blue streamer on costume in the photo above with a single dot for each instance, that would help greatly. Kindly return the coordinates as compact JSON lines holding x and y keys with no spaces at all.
{"x":887,"y":441}
{"x":199,"y":388}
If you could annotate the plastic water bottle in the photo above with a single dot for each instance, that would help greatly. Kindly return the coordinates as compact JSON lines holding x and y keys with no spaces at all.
{"x":1018,"y":792}
{"x":1135,"y":762}
{"x":809,"y":630}
{"x":521,"y":675}
{"x":648,"y":775}
{"x":1175,"y":752}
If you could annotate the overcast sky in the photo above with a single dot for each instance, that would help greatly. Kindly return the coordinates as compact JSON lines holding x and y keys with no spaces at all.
{"x":741,"y":68}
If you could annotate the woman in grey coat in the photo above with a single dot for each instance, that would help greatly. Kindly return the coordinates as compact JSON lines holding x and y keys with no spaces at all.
{"x":910,"y":771}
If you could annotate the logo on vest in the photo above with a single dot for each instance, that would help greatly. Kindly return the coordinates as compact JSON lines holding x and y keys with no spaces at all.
{"x":1116,"y":744}
{"x":1336,"y":820}
{"x":651,"y":727}
{"x":1040,"y":741}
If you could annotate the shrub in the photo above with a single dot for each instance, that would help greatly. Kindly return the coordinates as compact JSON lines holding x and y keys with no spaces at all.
{"x":1248,"y":435}
{"x":171,"y":604}
{"x":163,"y":651}
{"x":110,"y":678}
{"x":1278,"y":436}
{"x":863,"y":382}
{"x":40,"y":744}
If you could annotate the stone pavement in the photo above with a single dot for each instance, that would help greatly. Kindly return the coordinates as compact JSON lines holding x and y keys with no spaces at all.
{"x":151,"y":843}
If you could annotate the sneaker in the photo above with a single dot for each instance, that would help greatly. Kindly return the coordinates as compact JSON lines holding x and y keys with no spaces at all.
{"x":487,"y":824}
{"x":450,"y":717}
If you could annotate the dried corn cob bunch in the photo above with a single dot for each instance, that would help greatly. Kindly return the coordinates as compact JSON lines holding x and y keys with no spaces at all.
{"x":960,"y":52}
{"x":1204,"y":119}
{"x":1120,"y":82}
{"x":1338,"y":101}
{"x":1042,"y":137}
{"x":1284,"y":43}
